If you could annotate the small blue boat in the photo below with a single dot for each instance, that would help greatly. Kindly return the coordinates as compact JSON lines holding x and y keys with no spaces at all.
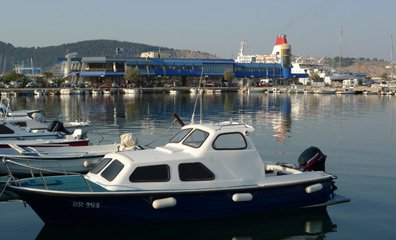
{"x":205,"y":171}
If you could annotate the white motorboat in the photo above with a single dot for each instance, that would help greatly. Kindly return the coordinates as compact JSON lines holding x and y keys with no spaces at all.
{"x":10,"y":131}
{"x":39,"y":92}
{"x":131,"y":91}
{"x":256,"y":90}
{"x":205,"y":171}
{"x":70,"y":91}
{"x":34,"y":120}
{"x":61,"y":142}
{"x":48,"y":160}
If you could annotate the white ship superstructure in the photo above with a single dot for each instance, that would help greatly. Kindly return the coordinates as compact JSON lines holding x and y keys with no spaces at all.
{"x":242,"y":58}
{"x":281,"y":48}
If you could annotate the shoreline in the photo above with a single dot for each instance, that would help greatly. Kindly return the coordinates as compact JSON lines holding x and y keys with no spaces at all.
{"x":272,"y":89}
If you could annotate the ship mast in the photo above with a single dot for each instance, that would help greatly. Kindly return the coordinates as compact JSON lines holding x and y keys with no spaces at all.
{"x":341,"y":42}
{"x":391,"y":59}
{"x":242,"y":49}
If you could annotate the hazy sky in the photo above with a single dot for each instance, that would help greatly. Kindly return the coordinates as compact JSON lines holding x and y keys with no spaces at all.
{"x":313,"y":27}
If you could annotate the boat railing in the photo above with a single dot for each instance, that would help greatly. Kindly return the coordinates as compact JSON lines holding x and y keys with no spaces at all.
{"x":5,"y":106}
{"x":231,"y":123}
{"x":40,"y":171}
{"x":22,"y":151}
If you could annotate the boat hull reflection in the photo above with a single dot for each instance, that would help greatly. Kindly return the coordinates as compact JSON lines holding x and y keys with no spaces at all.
{"x":302,"y":222}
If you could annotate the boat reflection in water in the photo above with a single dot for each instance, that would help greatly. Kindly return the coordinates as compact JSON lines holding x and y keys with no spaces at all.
{"x":314,"y":223}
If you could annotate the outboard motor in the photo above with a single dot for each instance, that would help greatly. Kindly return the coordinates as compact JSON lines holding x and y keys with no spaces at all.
{"x":57,"y":126}
{"x":312,"y":159}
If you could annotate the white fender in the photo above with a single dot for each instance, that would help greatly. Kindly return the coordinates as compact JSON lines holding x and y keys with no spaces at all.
{"x":89,"y":164}
{"x":242,"y":197}
{"x":314,"y":188}
{"x":164,"y":203}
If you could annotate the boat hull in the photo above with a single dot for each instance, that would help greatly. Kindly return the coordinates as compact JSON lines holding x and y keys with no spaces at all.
{"x":45,"y":143}
{"x":48,"y":165}
{"x":102,"y":206}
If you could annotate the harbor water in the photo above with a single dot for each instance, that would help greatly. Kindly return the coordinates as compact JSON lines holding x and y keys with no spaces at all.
{"x":356,"y":132}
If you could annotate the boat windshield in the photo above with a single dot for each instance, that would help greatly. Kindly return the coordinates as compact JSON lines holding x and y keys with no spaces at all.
{"x":196,"y":138}
{"x":180,"y":135}
{"x":99,"y":166}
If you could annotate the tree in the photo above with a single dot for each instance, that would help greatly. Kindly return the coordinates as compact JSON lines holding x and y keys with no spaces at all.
{"x":314,"y":76}
{"x":384,"y":75}
{"x":13,"y":76}
{"x":48,"y":75}
{"x":228,"y":76}
{"x":132,"y":74}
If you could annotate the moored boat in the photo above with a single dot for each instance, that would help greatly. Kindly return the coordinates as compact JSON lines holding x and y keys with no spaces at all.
{"x":39,"y":92}
{"x":18,"y":160}
{"x":205,"y":171}
{"x":255,"y":90}
{"x":61,"y":142}
{"x":326,"y":91}
{"x":132,"y":91}
{"x":70,"y":91}
{"x":10,"y":131}
{"x":346,"y":91}
{"x":34,"y":120}
{"x":173,"y":91}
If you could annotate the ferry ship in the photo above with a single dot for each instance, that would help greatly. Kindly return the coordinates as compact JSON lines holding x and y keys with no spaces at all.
{"x":301,"y":67}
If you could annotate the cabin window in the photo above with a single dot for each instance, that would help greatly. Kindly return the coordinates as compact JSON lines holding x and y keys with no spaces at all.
{"x":196,"y":138}
{"x":112,"y":170}
{"x":195,"y":172}
{"x":5,"y":130}
{"x":21,"y":124}
{"x":154,"y":173}
{"x":180,"y":135}
{"x":230,"y":141}
{"x":100,"y":165}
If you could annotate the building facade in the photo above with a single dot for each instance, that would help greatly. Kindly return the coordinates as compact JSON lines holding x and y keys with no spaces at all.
{"x":113,"y":68}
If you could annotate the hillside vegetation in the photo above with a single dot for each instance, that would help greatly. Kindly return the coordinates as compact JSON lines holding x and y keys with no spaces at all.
{"x":46,"y":57}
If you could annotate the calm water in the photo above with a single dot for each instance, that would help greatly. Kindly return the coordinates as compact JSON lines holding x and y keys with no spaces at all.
{"x":357,"y":133}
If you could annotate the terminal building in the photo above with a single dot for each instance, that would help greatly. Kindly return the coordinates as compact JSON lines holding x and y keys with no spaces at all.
{"x":157,"y":65}
{"x":112,"y":69}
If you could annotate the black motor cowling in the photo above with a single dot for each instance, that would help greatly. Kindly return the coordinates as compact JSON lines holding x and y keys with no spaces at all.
{"x":57,"y":126}
{"x":312,"y":159}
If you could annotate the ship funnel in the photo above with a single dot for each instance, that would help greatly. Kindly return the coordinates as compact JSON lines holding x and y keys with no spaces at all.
{"x":281,"y":39}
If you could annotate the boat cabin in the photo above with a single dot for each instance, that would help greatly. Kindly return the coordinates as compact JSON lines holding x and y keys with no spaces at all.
{"x":199,"y":156}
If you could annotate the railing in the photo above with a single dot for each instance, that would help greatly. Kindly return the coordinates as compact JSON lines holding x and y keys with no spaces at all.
{"x":23,"y":151}
{"x":5,"y":102}
{"x":40,"y":172}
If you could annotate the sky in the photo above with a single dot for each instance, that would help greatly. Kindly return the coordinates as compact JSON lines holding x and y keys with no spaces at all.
{"x":313,"y":27}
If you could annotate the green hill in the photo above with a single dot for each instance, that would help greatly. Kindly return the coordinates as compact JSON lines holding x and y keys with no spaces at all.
{"x":46,"y":57}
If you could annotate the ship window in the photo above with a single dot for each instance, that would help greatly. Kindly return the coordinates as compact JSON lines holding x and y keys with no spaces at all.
{"x":112,"y":170}
{"x":154,"y":173}
{"x":195,"y":172}
{"x":180,"y":135}
{"x":5,"y":130}
{"x":100,"y":165}
{"x":230,"y":141}
{"x":196,"y":138}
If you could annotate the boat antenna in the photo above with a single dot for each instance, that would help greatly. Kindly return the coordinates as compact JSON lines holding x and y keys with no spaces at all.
{"x":196,"y":100}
